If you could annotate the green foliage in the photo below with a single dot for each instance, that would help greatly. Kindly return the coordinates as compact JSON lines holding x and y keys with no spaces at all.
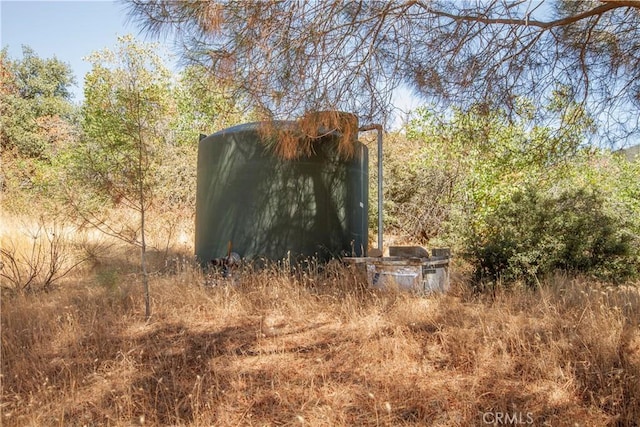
{"x":537,"y":232}
{"x":127,"y":102}
{"x":137,"y":129}
{"x":202,"y":105}
{"x":124,"y":119}
{"x":35,"y":103}
{"x":417,"y":197}
{"x":463,"y":166}
{"x":519,"y":200}
{"x":199,"y":105}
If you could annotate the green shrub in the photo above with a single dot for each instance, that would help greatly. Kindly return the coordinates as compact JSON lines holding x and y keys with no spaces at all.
{"x":537,"y":232}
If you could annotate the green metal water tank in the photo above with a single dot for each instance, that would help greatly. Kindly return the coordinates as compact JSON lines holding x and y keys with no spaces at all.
{"x":263,"y":206}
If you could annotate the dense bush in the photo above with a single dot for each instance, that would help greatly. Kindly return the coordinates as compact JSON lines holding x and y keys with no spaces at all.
{"x":537,"y":232}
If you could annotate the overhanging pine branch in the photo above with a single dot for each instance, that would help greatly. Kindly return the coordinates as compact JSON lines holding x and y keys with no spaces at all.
{"x":545,"y":25}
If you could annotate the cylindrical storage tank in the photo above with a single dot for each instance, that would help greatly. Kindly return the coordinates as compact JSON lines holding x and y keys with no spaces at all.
{"x":262,"y":206}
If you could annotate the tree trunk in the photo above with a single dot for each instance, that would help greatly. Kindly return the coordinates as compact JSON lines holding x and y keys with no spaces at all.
{"x":143,"y":211}
{"x":145,"y":274}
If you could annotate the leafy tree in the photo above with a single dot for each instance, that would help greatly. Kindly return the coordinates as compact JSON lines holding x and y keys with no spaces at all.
{"x":203,"y":105}
{"x":418,"y":192}
{"x":200,"y":104}
{"x":35,"y":102}
{"x":124,"y":121}
{"x":521,"y":201}
{"x":292,"y":57}
{"x":474,"y":159}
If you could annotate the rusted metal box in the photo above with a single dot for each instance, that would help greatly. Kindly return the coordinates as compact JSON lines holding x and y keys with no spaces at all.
{"x":421,"y":275}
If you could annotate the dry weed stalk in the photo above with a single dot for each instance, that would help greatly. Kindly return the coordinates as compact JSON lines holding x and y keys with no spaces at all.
{"x":38,"y":259}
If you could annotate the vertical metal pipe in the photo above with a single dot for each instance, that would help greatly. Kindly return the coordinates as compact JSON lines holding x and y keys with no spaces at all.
{"x":380,"y":207}
{"x":380,"y":187}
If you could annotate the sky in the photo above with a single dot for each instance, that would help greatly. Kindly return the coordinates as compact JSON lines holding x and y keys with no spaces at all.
{"x":67,"y":30}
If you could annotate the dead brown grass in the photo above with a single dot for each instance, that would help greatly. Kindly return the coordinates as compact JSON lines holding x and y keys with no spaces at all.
{"x":317,"y":348}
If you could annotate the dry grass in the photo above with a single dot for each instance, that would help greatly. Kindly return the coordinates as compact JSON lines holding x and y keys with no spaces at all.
{"x":315,"y":348}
